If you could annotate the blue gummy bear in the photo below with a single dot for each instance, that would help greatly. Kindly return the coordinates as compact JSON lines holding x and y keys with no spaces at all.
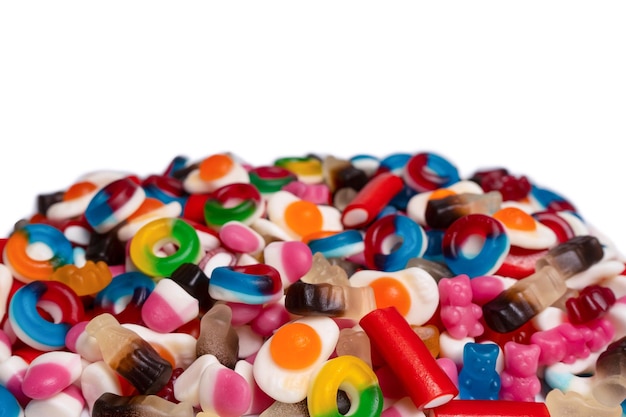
{"x":478,"y":378}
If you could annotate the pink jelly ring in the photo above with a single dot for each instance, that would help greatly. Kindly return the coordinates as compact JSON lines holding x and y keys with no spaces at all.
{"x":58,"y":299}
{"x":155,"y":235}
{"x":475,"y":245}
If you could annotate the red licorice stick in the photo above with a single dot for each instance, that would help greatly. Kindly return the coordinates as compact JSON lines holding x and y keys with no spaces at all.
{"x":489,"y":408}
{"x":371,"y":199}
{"x":408,"y":357}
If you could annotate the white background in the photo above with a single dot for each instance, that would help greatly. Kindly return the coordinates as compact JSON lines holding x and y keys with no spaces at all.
{"x":538,"y":87}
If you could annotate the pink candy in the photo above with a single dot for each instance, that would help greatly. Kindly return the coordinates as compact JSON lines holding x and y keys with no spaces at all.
{"x":50,"y":373}
{"x":168,"y":307}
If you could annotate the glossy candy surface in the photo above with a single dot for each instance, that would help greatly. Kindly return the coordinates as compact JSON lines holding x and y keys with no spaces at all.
{"x":312,"y":286}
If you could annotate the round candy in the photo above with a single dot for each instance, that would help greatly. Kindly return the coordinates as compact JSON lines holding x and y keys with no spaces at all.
{"x":285,"y":363}
{"x":35,"y":251}
{"x":154,"y":236}
{"x":28,"y":324}
{"x":239,"y":201}
{"x":349,"y":374}
{"x":115,"y":296}
{"x":475,"y":245}
{"x":428,"y":171}
{"x":113,"y":204}
{"x":391,"y":241}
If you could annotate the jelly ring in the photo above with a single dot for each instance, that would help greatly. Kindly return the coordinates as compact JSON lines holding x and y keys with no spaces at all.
{"x":428,"y":171}
{"x":351,"y":375}
{"x":250,"y":284}
{"x":308,"y":169}
{"x":56,"y":298}
{"x":366,"y":163}
{"x":154,"y":236}
{"x":460,"y":241}
{"x":35,"y":251}
{"x":114,"y":297}
{"x":394,"y":163}
{"x":391,"y":241}
{"x":240,"y":201}
{"x":165,"y":189}
{"x":338,"y":245}
{"x":549,"y":200}
{"x":559,"y":225}
{"x":113,"y":204}
{"x":269,"y":179}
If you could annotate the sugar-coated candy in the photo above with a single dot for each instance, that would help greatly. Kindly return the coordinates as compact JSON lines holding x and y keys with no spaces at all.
{"x":217,"y":336}
{"x":407,"y":355}
{"x":130,"y":355}
{"x":348,"y":373}
{"x":110,"y":405}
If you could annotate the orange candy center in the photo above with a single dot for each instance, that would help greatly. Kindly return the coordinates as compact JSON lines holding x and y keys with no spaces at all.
{"x":303,"y":217}
{"x":516,"y":219}
{"x":295,"y":346}
{"x":215,"y":166}
{"x":391,"y":292}
{"x":78,"y":190}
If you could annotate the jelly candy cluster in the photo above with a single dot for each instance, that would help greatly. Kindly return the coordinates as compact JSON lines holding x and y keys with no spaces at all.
{"x":312,"y":286}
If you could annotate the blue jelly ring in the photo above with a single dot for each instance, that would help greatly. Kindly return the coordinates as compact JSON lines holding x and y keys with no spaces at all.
{"x":122,"y":288}
{"x":250,"y":284}
{"x":411,"y":242}
{"x":468,"y":230}
{"x":339,"y":245}
{"x":29,"y":326}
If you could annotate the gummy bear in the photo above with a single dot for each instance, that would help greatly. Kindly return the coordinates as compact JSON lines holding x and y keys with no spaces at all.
{"x":519,"y":378}
{"x":458,"y":314}
{"x":478,"y":379}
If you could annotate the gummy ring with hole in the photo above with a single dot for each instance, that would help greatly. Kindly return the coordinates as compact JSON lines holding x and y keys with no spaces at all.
{"x":56,"y":299}
{"x":428,"y":171}
{"x":165,"y":188}
{"x":162,"y":245}
{"x":352,"y":375}
{"x":338,"y":245}
{"x":391,"y":241}
{"x":269,"y":179}
{"x":394,"y":163}
{"x":250,"y":284}
{"x":113,"y":204}
{"x":557,"y":223}
{"x":35,"y":251}
{"x":475,"y":245}
{"x":307,"y":169}
{"x":122,"y":291}
{"x":240,"y":201}
{"x":550,"y":200}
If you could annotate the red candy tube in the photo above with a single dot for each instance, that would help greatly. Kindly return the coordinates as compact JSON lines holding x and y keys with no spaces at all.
{"x":371,"y":199}
{"x":408,"y":357}
{"x":489,"y":408}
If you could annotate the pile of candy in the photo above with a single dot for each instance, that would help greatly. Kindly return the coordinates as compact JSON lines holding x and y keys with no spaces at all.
{"x":313,"y":286}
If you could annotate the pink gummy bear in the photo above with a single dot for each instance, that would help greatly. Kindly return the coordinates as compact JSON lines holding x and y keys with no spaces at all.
{"x":563,"y":343}
{"x":519,"y":381}
{"x":458,"y":314}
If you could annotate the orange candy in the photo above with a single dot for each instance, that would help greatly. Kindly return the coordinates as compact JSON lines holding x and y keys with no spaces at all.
{"x":215,"y":166}
{"x":391,"y":292}
{"x":303,"y":217}
{"x":515,"y":218}
{"x":295,"y":346}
